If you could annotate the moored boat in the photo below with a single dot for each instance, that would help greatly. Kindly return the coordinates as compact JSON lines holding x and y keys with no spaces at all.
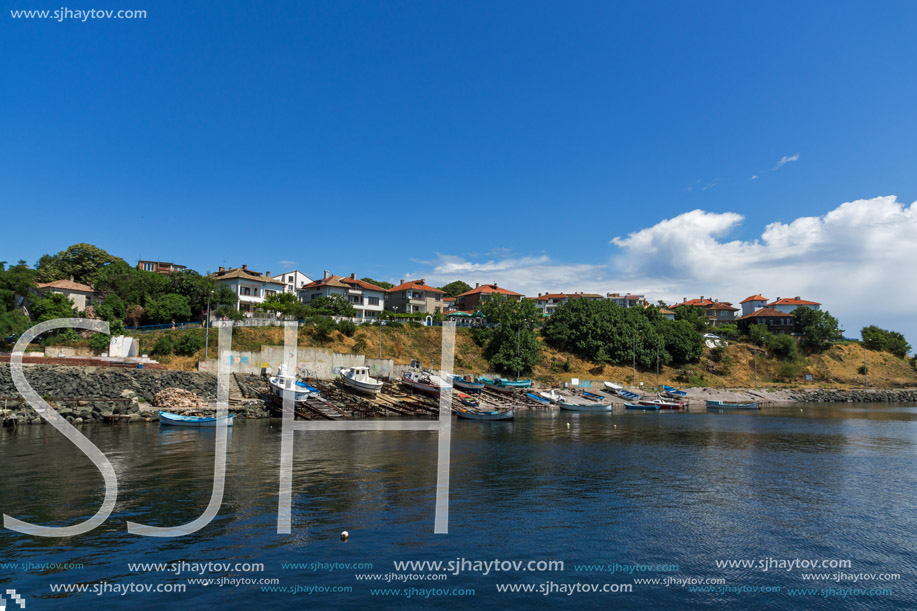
{"x":612,"y":387}
{"x":663,"y":403}
{"x":674,"y":392}
{"x":468,"y":386}
{"x":729,"y":405}
{"x":584,"y":407}
{"x":424,"y":381}
{"x":467,"y":400}
{"x":626,"y":394}
{"x":642,"y":406}
{"x":285,"y":386}
{"x":200,"y":421}
{"x":551,"y":396}
{"x":358,"y":378}
{"x":503,"y":382}
{"x":473,"y":414}
{"x":538,"y":398}
{"x":592,"y":396}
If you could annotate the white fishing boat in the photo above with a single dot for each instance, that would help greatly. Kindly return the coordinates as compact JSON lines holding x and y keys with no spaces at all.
{"x":358,"y":378}
{"x":551,"y":396}
{"x":286,"y":386}
{"x":424,"y":381}
{"x":612,"y":387}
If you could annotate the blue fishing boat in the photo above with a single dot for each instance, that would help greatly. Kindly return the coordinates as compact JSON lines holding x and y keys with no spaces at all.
{"x":584,"y":407}
{"x":630,"y":396}
{"x":201,"y":421}
{"x":504,"y":383}
{"x":472,"y":414}
{"x":592,"y":396}
{"x":467,"y":400}
{"x":538,"y":399}
{"x":729,"y":405}
{"x":467,"y":385}
{"x":642,"y":406}
{"x":674,"y":392}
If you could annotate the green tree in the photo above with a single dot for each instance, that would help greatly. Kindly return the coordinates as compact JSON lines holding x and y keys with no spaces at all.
{"x":784,"y":347}
{"x":682,"y":342}
{"x":15,"y":283}
{"x":51,"y":306}
{"x":333,"y":305}
{"x":168,"y":308}
{"x":80,"y":261}
{"x":758,"y":334}
{"x":188,"y":344}
{"x":875,"y":338}
{"x":380,"y":283}
{"x":286,"y":304}
{"x":512,"y":346}
{"x":112,"y":308}
{"x":455,"y":288}
{"x":694,"y":315}
{"x":816,"y":327}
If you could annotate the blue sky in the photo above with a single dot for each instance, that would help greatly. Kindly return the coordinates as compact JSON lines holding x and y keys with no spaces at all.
{"x":501,"y":141}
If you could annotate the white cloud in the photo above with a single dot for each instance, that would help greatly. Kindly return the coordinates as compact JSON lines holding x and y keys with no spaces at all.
{"x":785,"y":160}
{"x":754,"y":177}
{"x":287,"y":263}
{"x":853,"y":259}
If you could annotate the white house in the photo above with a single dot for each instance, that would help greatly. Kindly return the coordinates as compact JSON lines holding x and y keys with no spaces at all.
{"x":628,"y":300}
{"x":80,"y":295}
{"x":788,"y":304}
{"x":251,"y":287}
{"x":752,"y":304}
{"x":368,"y":300}
{"x":293,"y":281}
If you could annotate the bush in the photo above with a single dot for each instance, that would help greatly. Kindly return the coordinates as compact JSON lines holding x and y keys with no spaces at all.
{"x":188,"y":344}
{"x":163,"y":346}
{"x":359,"y":347}
{"x":322,"y":328}
{"x":347,"y":328}
{"x":99,"y":342}
{"x":789,"y":371}
{"x":784,"y":347}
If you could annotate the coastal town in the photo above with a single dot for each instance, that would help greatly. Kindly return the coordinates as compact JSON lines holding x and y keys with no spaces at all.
{"x":161,"y":312}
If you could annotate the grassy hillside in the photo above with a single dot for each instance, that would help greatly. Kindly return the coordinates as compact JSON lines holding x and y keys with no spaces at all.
{"x":839,"y":366}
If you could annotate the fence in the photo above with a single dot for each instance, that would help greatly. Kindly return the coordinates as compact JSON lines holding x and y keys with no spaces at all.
{"x":166,"y":327}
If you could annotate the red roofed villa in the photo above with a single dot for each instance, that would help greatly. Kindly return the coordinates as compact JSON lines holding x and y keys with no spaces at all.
{"x":469,"y":300}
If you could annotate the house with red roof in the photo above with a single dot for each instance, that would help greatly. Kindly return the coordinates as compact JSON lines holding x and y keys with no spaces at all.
{"x":414,"y":296}
{"x":251,"y":287}
{"x":549,"y":302}
{"x":717,"y":312}
{"x":777,"y":322}
{"x":367,"y":299}
{"x":752,"y":303}
{"x":80,"y":295}
{"x":470,"y":300}
{"x":448,"y":305}
{"x":789,"y":304}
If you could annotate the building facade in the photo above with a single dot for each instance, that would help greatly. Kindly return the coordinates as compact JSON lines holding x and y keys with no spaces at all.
{"x":414,"y":296}
{"x":80,"y":295}
{"x":777,"y":322}
{"x":787,"y":305}
{"x":470,"y":300}
{"x":160,"y":267}
{"x":249,"y":286}
{"x":368,"y":300}
{"x":292,"y":281}
{"x":717,"y":312}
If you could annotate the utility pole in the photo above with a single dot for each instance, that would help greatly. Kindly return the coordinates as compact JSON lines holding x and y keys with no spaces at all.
{"x":207,"y":328}
{"x":865,"y":370}
{"x":634,"y":353}
{"x":381,"y":322}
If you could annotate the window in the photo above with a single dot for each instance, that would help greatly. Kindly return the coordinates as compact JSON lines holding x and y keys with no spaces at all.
{"x":246,"y":290}
{"x":149,"y":267}
{"x":289,"y":278}
{"x":373,"y":301}
{"x":269,"y":293}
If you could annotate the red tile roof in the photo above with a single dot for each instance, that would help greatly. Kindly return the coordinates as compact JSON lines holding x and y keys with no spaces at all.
{"x":795,"y":301}
{"x":754,"y":298}
{"x":66,"y":285}
{"x":766,"y":313}
{"x":418,"y":285}
{"x":345,"y":282}
{"x":722,"y":305}
{"x":490,"y":288}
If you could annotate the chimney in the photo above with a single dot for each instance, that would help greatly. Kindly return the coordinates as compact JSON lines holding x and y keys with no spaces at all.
{"x":423,"y":281}
{"x":797,"y":298}
{"x":684,"y":300}
{"x":401,"y":281}
{"x":245,"y":267}
{"x":222,"y":269}
{"x":476,"y":285}
{"x":701,"y":297}
{"x":495,"y":286}
{"x":327,"y":274}
{"x":353,"y":276}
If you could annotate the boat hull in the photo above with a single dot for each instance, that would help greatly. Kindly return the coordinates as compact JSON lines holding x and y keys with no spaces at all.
{"x":725,"y":405}
{"x":466,"y":386}
{"x":537,"y":399}
{"x":468,"y":414}
{"x":360,"y":386}
{"x":640,"y":406}
{"x":171,"y":419}
{"x":583,"y":407}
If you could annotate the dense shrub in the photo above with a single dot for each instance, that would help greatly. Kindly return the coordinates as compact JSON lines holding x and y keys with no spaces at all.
{"x":784,"y":347}
{"x":188,"y":344}
{"x":99,"y":342}
{"x":347,"y":328}
{"x":163,"y":346}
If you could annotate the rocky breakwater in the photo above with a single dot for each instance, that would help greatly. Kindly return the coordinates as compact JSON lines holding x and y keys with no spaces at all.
{"x":89,"y":394}
{"x":878,"y":395}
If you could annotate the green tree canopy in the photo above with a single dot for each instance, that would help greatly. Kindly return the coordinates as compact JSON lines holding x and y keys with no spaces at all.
{"x":380,"y":283}
{"x":81,"y":261}
{"x":512,"y":346}
{"x":455,"y":288}
{"x":694,"y":315}
{"x":167,"y":308}
{"x":286,"y":304}
{"x":51,"y":306}
{"x":333,"y":305}
{"x":816,"y":327}
{"x":875,"y":338}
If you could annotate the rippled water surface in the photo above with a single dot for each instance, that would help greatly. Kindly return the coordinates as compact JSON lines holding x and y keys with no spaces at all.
{"x":807,"y":482}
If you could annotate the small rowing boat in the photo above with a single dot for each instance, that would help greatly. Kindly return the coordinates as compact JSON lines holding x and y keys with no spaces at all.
{"x":641,"y":406}
{"x":626,"y":394}
{"x":584,"y":407}
{"x":200,"y":421}
{"x":504,"y":383}
{"x":674,"y":392}
{"x":537,"y":398}
{"x":728,"y":405}
{"x":472,"y":414}
{"x":467,"y":400}
{"x":464,"y":385}
{"x":592,"y":396}
{"x":424,"y":381}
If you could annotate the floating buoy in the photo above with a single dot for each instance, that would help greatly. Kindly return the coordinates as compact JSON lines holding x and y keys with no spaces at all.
{"x":344,"y":535}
